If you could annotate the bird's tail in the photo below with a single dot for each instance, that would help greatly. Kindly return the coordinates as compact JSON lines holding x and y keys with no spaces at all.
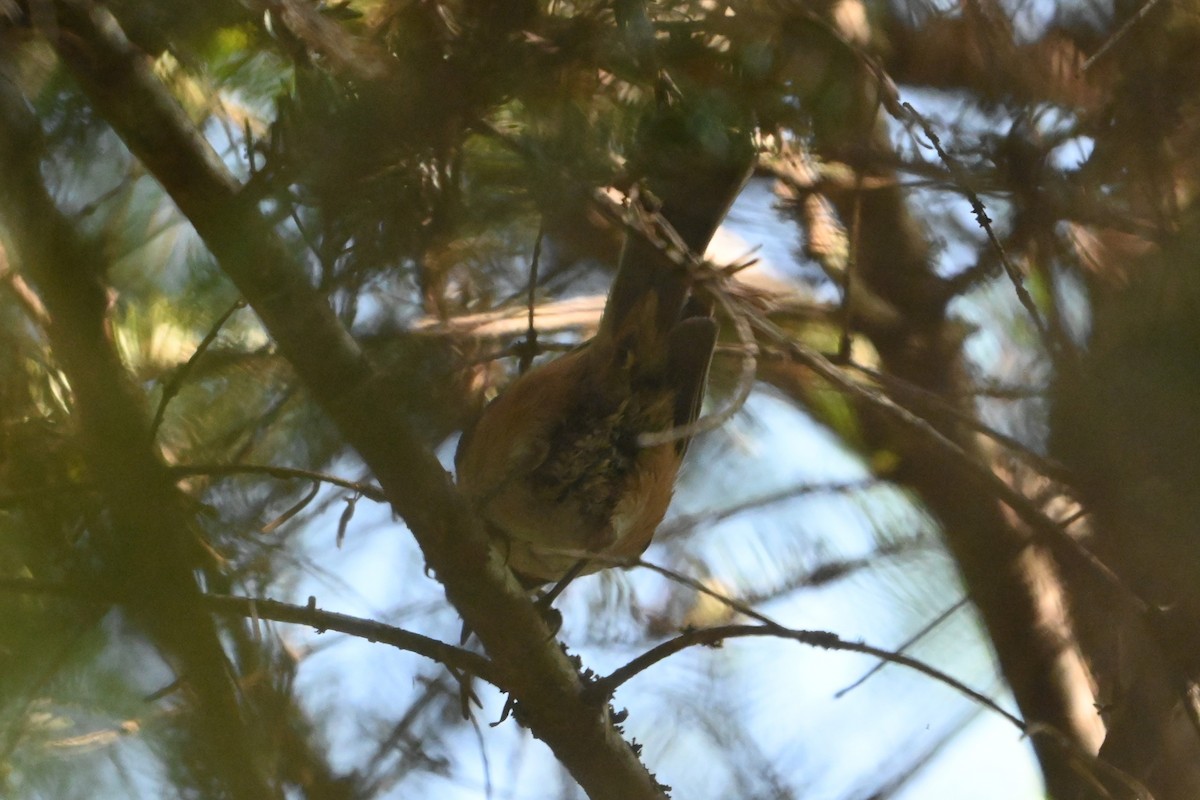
{"x":694,"y":184}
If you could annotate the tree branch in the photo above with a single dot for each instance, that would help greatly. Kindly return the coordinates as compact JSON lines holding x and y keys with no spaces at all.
{"x":544,"y":683}
{"x":454,"y":657}
{"x":367,"y":490}
{"x":255,"y":608}
{"x":709,"y":637}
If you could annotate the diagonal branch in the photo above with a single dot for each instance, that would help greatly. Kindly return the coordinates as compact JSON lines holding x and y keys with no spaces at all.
{"x":710,"y":637}
{"x":255,"y":608}
{"x":456,"y":658}
{"x":367,"y":490}
{"x":547,"y":687}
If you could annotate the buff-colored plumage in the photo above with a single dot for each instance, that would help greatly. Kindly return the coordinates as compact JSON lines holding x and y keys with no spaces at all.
{"x":554,"y":465}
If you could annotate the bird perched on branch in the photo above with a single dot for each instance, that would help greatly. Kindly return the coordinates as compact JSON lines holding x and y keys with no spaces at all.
{"x":554,"y":464}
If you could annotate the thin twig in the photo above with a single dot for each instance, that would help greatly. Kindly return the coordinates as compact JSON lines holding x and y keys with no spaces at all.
{"x":985,"y":222}
{"x":737,"y":605}
{"x":685,"y":523}
{"x":898,"y":386}
{"x":367,"y":490}
{"x":402,"y":742}
{"x":832,"y":570}
{"x":1044,"y":528}
{"x":998,"y":391}
{"x":921,"y":633}
{"x":293,"y":510}
{"x":608,"y":684}
{"x":714,"y":636}
{"x":1141,"y":14}
{"x":361,"y":628}
{"x":309,"y":615}
{"x":23,"y":292}
{"x":180,"y":375}
{"x":710,"y":637}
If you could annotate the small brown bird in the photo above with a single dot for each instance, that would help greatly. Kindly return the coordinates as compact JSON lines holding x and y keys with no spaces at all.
{"x":554,"y":463}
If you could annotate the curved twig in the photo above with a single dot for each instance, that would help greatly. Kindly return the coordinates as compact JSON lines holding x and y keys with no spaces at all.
{"x":313,"y":617}
{"x":823,"y":639}
{"x":985,"y":222}
{"x":1044,"y":528}
{"x":924,"y":631}
{"x":686,"y":522}
{"x":255,"y":608}
{"x":367,"y":490}
{"x":180,"y":375}
{"x":895,"y":385}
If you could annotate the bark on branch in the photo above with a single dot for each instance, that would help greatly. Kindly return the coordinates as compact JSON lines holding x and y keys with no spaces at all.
{"x":546,"y":686}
